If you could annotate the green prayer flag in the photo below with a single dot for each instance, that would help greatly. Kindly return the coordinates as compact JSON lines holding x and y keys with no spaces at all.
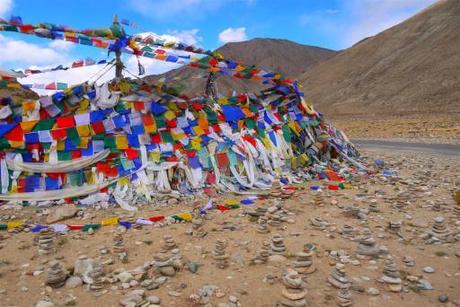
{"x":64,"y":155}
{"x":109,"y":142}
{"x":45,"y":124}
{"x":72,"y":134}
{"x":166,"y":137}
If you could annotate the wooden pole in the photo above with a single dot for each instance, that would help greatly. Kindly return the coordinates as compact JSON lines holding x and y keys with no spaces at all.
{"x":118,"y":63}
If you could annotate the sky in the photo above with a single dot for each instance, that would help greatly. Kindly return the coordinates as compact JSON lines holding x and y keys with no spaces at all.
{"x":333,"y":24}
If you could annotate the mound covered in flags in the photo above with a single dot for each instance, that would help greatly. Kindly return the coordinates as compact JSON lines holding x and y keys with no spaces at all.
{"x":127,"y":140}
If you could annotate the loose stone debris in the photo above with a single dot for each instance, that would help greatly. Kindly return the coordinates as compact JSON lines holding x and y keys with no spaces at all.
{"x":351,"y":234}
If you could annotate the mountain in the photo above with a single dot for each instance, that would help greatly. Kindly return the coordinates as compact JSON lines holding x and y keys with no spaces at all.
{"x":409,"y":68}
{"x":288,"y":58}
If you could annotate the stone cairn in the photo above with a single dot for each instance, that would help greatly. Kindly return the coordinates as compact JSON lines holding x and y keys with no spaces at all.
{"x":439,"y":231}
{"x":347,"y":231}
{"x":391,"y":276}
{"x":56,"y":274}
{"x":318,"y":223}
{"x":294,"y":291}
{"x":97,"y":277}
{"x":219,"y":254}
{"x":368,"y":247}
{"x":408,"y":261}
{"x":274,"y":220}
{"x":338,"y":277}
{"x":46,"y":241}
{"x":262,"y":254}
{"x":395,"y":227}
{"x":164,"y":264}
{"x":168,"y":243}
{"x":456,"y":212}
{"x":317,"y":200}
{"x":373,"y":206}
{"x":436,"y":206}
{"x":119,"y":248}
{"x":262,"y":225}
{"x":277,"y":246}
{"x":344,"y":298}
{"x":197,"y":227}
{"x":303,"y":263}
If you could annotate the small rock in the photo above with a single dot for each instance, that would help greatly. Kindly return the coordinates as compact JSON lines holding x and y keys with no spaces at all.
{"x":61,"y":213}
{"x":428,"y":269}
{"x":153,"y":299}
{"x":373,"y":291}
{"x":443,"y":298}
{"x":193,"y":267}
{"x":124,"y":277}
{"x":174,"y":293}
{"x":277,"y":258}
{"x":73,"y":282}
{"x":44,"y":304}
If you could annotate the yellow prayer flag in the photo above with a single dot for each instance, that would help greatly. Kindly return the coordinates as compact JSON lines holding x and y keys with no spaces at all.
{"x":155,"y":156}
{"x":186,"y":216}
{"x":196,"y":144}
{"x":17,"y":144}
{"x":232,"y":202}
{"x":169,"y":115}
{"x":28,"y":106}
{"x":84,"y":141}
{"x":110,"y":221}
{"x":150,"y":128}
{"x":203,"y":122}
{"x":14,"y":224}
{"x":198,"y":131}
{"x":266,"y":142}
{"x":121,"y":141}
{"x":60,"y":145}
{"x":83,"y":130}
{"x":28,"y":126}
{"x":222,"y":100}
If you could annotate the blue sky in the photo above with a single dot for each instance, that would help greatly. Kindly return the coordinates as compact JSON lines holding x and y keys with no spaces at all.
{"x":334,"y":24}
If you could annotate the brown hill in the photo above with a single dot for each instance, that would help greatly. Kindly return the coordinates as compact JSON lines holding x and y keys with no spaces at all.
{"x":279,"y":55}
{"x":411,"y":67}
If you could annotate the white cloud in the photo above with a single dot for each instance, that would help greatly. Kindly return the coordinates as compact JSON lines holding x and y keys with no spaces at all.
{"x":188,"y":37}
{"x":233,"y":35}
{"x":18,"y":51}
{"x":355,"y":20}
{"x":5,"y":7}
{"x":61,"y":45}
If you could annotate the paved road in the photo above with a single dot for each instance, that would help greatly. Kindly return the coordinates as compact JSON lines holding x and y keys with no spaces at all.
{"x":444,"y":149}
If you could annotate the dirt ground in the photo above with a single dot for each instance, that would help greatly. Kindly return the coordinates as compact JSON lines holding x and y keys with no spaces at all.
{"x":425,"y":128}
{"x":428,"y":180}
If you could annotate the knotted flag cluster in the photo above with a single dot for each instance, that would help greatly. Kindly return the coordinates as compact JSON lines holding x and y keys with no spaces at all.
{"x":135,"y":139}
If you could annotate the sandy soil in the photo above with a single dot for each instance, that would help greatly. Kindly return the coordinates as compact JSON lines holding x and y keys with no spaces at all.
{"x":424,"y":128}
{"x":428,"y":180}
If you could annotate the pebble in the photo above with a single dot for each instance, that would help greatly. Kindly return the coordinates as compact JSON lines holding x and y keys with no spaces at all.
{"x":174,"y":293}
{"x":373,"y":291}
{"x":73,"y":282}
{"x":443,"y":298}
{"x":44,"y":304}
{"x":153,"y":299}
{"x":428,"y":269}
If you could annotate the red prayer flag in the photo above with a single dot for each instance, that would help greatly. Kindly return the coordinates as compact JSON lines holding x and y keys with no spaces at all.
{"x":16,"y":134}
{"x":65,"y":122}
